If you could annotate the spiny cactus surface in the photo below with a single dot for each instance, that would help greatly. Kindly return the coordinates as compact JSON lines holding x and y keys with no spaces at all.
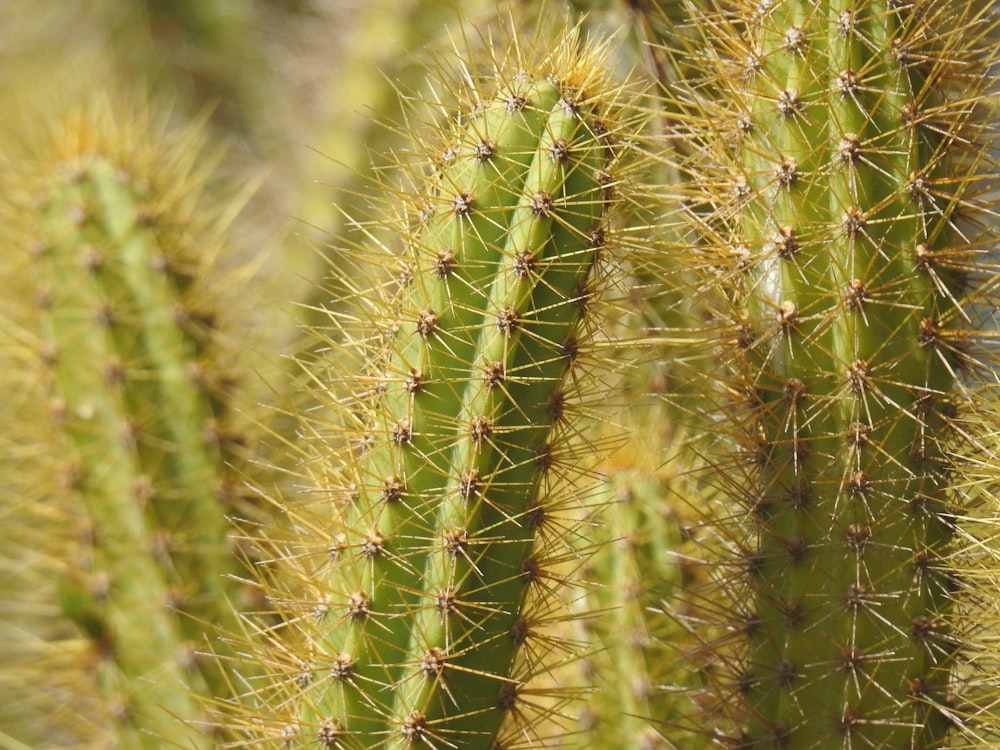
{"x":458,"y":468}
{"x":851,"y":152}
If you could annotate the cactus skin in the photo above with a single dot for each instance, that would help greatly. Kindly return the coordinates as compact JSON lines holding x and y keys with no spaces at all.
{"x":117,"y":254}
{"x":461,"y":473}
{"x":852,"y":155}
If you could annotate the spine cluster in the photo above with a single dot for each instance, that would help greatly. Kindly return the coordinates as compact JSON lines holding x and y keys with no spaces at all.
{"x":846,"y":201}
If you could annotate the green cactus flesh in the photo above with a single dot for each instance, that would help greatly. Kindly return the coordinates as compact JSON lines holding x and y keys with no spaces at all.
{"x":466,"y":432}
{"x":139,"y":412}
{"x":851,"y":145}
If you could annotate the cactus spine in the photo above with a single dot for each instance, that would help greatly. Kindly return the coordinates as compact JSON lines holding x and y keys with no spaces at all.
{"x":461,"y":474}
{"x":853,"y":158}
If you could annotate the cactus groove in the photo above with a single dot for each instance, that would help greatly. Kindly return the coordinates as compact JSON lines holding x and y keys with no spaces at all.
{"x":848,"y":204}
{"x":462,"y":472}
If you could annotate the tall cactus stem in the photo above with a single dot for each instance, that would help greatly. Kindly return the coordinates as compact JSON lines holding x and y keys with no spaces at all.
{"x":469,"y":426}
{"x":848,"y":206}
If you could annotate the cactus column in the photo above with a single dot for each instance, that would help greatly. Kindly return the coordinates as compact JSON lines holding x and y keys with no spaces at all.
{"x":114,"y":293}
{"x":445,"y":536}
{"x":846,"y":221}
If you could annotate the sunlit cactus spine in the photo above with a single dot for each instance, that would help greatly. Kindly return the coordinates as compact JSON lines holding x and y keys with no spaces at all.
{"x":844,"y":204}
{"x":113,"y":249}
{"x":453,"y":484}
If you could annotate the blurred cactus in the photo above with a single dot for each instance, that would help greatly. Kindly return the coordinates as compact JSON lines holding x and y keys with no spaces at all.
{"x":468,"y":415}
{"x":649,"y":406}
{"x":122,"y":364}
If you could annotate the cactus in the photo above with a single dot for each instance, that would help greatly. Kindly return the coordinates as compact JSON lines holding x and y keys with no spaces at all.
{"x":853,"y":154}
{"x":639,"y":664}
{"x":122,"y":344}
{"x":638,"y":564}
{"x":467,"y":541}
{"x":451,"y":487}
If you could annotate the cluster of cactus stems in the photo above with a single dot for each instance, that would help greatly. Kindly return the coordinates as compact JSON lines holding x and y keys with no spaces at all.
{"x":784,"y":538}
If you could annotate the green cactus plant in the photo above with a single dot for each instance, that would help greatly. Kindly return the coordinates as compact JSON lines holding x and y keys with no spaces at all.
{"x":123,"y":342}
{"x":450,"y":484}
{"x":466,"y":541}
{"x":845,"y":211}
{"x":639,"y":563}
